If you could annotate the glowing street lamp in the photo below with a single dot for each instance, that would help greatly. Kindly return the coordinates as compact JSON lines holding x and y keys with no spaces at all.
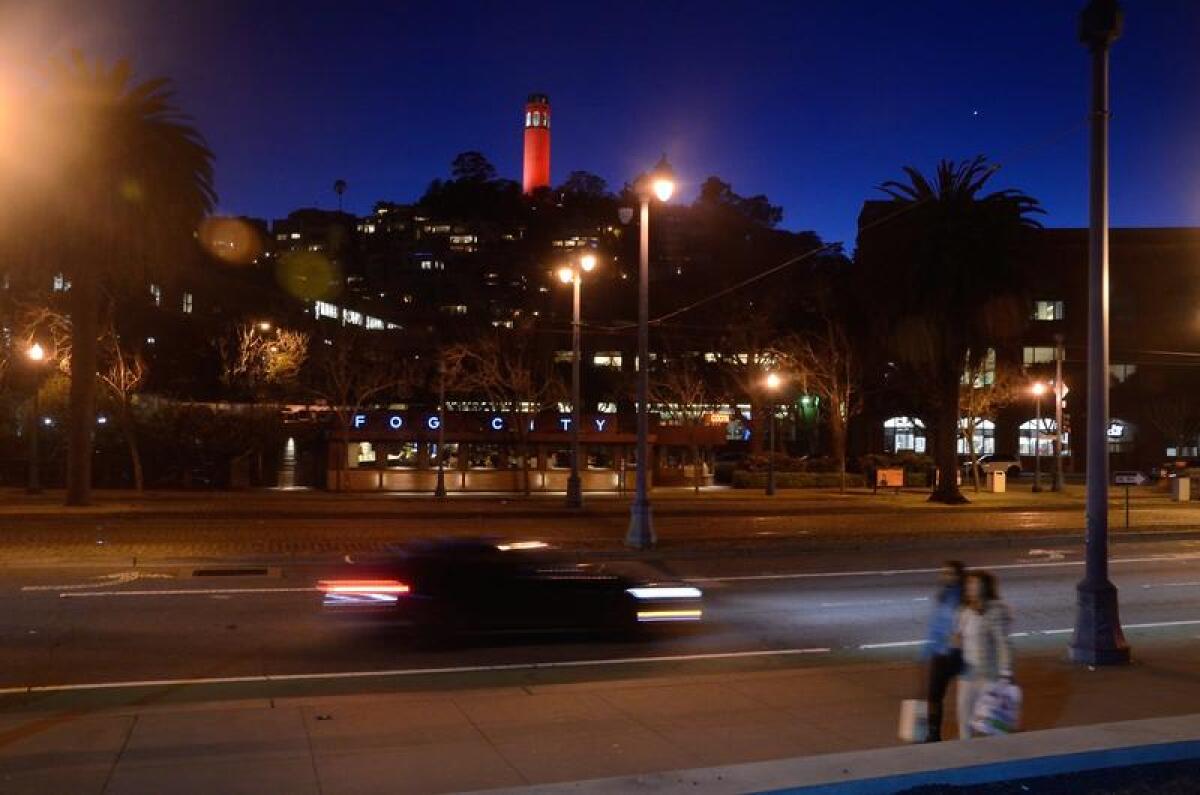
{"x":1038,"y":389}
{"x":772,"y":382}
{"x":660,"y":184}
{"x":569,"y":274}
{"x":36,"y":355}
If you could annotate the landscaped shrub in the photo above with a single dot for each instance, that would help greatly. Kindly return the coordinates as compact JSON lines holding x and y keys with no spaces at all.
{"x":743,"y":479}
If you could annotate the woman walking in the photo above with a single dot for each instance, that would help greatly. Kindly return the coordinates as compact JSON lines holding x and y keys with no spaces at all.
{"x":983,"y":623}
{"x":943,"y":656}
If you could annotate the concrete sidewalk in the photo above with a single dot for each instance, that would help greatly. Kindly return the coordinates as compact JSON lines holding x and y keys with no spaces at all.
{"x":488,"y":736}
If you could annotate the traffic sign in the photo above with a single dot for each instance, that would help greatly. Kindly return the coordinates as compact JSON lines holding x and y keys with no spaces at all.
{"x":1130,"y":478}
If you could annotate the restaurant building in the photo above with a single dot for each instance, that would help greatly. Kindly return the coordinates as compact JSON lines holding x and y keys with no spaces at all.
{"x":387,"y":450}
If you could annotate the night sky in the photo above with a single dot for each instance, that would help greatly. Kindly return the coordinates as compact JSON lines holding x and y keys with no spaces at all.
{"x":812,"y":103}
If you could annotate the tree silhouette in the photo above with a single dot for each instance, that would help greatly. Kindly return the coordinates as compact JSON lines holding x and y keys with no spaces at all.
{"x":339,"y":187}
{"x":939,"y":276}
{"x":124,"y":180}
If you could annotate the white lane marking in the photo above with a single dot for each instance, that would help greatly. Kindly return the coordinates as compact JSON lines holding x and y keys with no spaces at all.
{"x":894,"y":572}
{"x":1048,"y":554}
{"x":863,"y":603}
{"x":119,"y":578}
{"x":894,"y":644}
{"x":1153,"y":624}
{"x":459,"y":669}
{"x":181,"y":592}
{"x":1172,"y":584}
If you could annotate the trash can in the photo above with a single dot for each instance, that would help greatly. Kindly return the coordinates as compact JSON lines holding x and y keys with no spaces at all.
{"x":1181,"y":488}
{"x":996,"y":481}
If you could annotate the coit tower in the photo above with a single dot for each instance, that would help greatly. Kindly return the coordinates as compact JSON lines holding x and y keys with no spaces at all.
{"x":537,"y":143}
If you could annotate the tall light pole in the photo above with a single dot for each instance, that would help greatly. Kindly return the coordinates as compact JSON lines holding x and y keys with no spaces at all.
{"x":574,"y":276}
{"x":772,"y":383}
{"x":440,"y":489}
{"x":1060,"y":395}
{"x":1098,"y":638}
{"x":659,"y":184}
{"x":1038,"y":390}
{"x":36,"y":355}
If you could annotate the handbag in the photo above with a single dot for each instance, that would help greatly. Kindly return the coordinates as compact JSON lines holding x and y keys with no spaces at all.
{"x":914,"y":720}
{"x":998,"y":709}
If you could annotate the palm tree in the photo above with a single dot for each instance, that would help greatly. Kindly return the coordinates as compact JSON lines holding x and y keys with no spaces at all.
{"x":123,"y":181}
{"x":941,"y":273}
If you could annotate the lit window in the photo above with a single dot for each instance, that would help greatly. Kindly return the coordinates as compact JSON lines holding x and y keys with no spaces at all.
{"x":1047,"y":310}
{"x":150,"y":340}
{"x":606,"y":408}
{"x":606,"y":359}
{"x":281,"y":236}
{"x":61,"y":283}
{"x":156,"y":294}
{"x":1038,"y":354}
{"x":455,"y":309}
{"x":902,"y":434}
{"x":984,"y":437}
{"x":564,"y":357}
{"x":374,"y":323}
{"x":326,"y":309}
{"x":351,"y":317}
{"x":1035,"y":441}
{"x":295,"y":235}
{"x":986,"y":374}
{"x":187,"y":303}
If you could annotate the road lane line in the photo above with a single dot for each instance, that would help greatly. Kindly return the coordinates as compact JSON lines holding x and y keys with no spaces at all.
{"x":806,"y":575}
{"x":1153,"y":624}
{"x":458,"y":669}
{"x":181,"y":592}
{"x":1172,"y":584}
{"x":896,"y":644}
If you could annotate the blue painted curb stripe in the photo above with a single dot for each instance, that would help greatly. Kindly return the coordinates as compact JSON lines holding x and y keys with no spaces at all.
{"x":1007,"y":771}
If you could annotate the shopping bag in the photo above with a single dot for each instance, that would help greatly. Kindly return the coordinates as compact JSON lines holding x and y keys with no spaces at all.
{"x":914,"y":720}
{"x":998,"y":710}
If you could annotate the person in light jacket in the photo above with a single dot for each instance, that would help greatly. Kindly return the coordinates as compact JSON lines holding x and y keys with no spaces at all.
{"x":942,"y":656}
{"x":983,"y":626}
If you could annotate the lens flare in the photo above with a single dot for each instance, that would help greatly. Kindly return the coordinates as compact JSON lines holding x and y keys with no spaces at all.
{"x":308,"y":275}
{"x":231,"y":240}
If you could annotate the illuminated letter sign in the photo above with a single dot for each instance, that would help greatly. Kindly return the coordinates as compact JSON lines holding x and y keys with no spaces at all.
{"x":396,"y":421}
{"x":600,"y":424}
{"x":360,"y":420}
{"x":565,"y":422}
{"x":497,"y":423}
{"x":434,"y":423}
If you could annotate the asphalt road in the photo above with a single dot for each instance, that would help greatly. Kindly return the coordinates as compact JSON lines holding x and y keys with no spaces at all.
{"x":73,"y":625}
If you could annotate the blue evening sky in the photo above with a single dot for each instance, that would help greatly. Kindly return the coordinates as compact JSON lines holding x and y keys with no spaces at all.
{"x":812,"y":102}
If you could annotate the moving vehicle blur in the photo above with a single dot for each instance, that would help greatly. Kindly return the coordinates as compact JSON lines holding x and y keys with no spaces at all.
{"x":455,"y":587}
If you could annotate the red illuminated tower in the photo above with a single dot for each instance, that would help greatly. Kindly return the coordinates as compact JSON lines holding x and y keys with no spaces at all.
{"x":537,"y":143}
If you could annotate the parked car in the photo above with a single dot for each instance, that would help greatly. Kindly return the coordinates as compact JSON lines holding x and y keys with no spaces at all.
{"x":1010,"y":465}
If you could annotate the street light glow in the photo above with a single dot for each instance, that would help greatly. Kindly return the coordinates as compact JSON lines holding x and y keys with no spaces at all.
{"x":663,"y":188}
{"x":566,"y":275}
{"x":36,"y":353}
{"x":587,"y":262}
{"x":1038,"y":388}
{"x":773,"y":381}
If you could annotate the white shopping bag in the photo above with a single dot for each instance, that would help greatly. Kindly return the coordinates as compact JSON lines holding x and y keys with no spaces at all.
{"x":914,"y":720}
{"x":998,"y":710}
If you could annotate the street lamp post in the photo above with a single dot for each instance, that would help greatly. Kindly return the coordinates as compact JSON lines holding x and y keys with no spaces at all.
{"x":574,"y":276}
{"x":1039,"y":389}
{"x":440,"y":489}
{"x":36,"y":355}
{"x":661,"y":184}
{"x":1060,"y":394}
{"x":1098,"y":638}
{"x":773,"y":381}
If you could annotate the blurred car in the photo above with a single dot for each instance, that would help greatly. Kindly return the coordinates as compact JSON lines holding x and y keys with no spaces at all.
{"x":456,"y":587}
{"x":1010,"y":465}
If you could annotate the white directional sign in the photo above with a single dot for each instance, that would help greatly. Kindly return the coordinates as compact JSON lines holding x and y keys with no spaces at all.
{"x":1130,"y":478}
